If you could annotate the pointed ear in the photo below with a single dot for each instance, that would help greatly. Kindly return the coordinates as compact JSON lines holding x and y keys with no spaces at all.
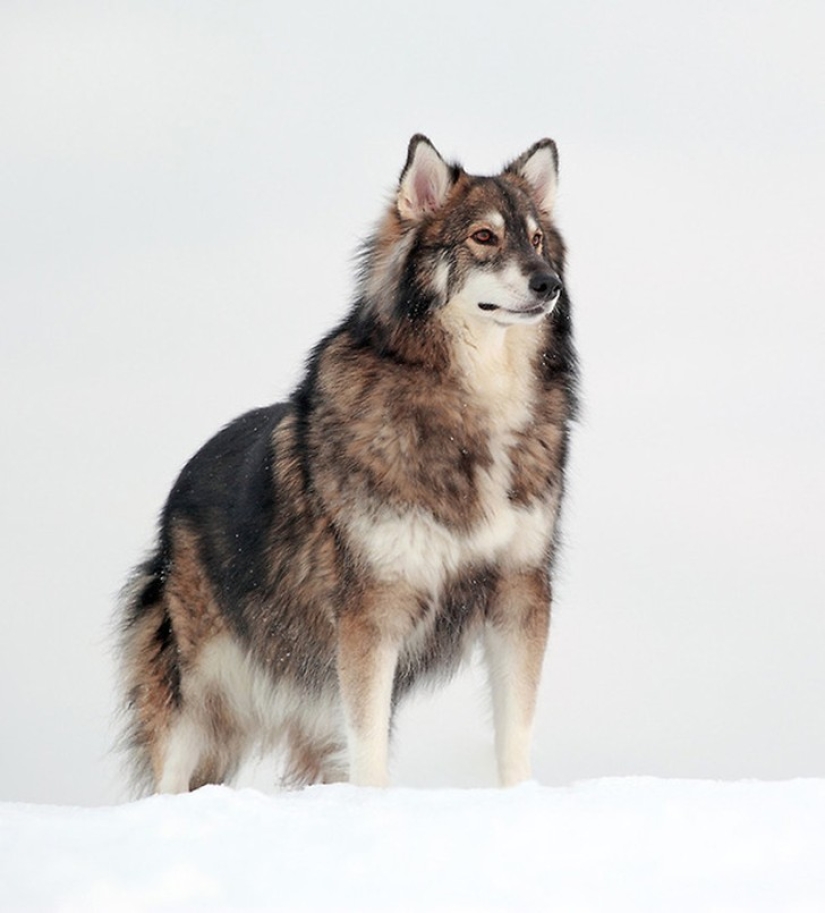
{"x":539,"y":166}
{"x":425,"y":181}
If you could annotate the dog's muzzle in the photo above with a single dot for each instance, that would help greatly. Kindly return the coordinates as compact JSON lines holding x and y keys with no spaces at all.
{"x":545,"y":288}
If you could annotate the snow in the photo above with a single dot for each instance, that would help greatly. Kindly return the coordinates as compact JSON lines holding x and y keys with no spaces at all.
{"x":605,"y":845}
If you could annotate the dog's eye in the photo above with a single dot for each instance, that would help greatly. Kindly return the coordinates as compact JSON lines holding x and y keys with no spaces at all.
{"x":537,"y":239}
{"x":484,"y":236}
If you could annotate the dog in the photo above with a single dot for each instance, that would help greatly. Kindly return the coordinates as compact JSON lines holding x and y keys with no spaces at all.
{"x":320,"y":558}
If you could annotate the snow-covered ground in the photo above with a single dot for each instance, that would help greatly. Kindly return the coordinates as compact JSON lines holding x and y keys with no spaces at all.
{"x":604,"y":845}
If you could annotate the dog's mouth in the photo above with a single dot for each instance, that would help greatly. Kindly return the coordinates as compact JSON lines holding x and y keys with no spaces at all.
{"x":533,"y":311}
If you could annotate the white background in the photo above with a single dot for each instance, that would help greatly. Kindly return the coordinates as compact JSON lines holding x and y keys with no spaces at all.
{"x":182,"y":187}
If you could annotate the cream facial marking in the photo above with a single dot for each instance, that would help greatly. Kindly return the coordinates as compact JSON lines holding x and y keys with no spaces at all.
{"x":495,"y":219}
{"x":441,"y":276}
{"x":503,"y":295}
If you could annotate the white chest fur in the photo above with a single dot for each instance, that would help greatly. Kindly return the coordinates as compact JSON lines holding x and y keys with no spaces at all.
{"x":413,"y":545}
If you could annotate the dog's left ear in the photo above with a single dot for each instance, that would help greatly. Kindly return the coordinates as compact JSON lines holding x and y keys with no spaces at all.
{"x":539,"y":166}
{"x":425,"y":181}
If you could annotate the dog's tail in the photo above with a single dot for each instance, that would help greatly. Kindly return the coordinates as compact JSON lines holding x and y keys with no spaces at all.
{"x":149,"y":669}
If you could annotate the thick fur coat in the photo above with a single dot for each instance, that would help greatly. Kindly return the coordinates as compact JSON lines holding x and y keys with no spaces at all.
{"x":319,"y":558}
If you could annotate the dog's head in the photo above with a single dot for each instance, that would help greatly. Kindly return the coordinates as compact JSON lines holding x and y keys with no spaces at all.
{"x":483,"y":247}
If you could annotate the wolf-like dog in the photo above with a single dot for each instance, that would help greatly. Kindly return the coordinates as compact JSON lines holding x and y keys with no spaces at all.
{"x":320,"y":558}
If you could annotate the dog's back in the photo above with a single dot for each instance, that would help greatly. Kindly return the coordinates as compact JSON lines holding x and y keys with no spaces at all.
{"x":319,"y":558}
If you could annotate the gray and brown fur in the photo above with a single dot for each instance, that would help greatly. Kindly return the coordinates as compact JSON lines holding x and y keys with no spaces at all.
{"x":320,"y":558}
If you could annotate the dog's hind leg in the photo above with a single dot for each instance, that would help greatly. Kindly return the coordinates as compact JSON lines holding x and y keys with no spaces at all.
{"x":199,"y":747}
{"x":180,"y":756}
{"x":314,"y":759}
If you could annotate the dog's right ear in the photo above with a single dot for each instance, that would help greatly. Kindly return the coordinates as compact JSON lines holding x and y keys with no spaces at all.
{"x":425,"y":181}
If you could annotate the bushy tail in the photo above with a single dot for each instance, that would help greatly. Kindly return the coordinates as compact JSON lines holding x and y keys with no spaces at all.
{"x":149,"y":670}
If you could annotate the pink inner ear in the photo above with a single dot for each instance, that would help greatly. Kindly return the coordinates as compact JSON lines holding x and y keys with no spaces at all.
{"x":424,"y":192}
{"x":543,"y":186}
{"x":540,"y":171}
{"x":425,"y":184}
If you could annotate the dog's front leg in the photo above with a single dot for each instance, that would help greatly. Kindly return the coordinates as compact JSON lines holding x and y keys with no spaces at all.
{"x":367,"y":658}
{"x":515,"y":640}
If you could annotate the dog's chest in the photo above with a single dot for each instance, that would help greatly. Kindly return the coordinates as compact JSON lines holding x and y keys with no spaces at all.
{"x":478,"y":520}
{"x":413,"y":545}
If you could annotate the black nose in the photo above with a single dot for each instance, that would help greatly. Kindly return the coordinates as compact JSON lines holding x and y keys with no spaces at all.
{"x":548,"y":285}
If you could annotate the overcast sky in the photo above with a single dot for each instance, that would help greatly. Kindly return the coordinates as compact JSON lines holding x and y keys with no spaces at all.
{"x":183,"y":187}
